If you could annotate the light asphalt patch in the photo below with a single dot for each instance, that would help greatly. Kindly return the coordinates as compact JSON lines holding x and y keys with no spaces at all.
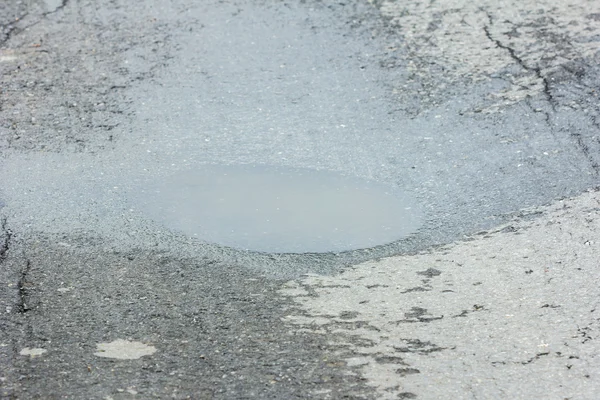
{"x":124,"y":350}
{"x":512,"y":313}
{"x":119,"y":349}
{"x":32,"y":352}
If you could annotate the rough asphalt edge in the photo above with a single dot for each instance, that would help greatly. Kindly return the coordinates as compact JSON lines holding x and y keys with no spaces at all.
{"x":510,"y":313}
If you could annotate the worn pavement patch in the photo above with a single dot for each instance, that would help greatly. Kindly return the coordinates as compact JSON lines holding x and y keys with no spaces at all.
{"x":511,"y":313}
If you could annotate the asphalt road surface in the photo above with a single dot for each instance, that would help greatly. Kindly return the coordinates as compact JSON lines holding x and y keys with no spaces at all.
{"x":485,"y":112}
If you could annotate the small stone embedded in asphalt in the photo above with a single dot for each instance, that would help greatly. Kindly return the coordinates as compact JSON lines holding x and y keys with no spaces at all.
{"x":124,"y":350}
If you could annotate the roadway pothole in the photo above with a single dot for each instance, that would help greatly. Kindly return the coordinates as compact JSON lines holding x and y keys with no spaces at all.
{"x":280,"y":210}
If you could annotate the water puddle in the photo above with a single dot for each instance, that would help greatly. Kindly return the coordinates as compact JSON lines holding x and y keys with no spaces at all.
{"x":280,"y":210}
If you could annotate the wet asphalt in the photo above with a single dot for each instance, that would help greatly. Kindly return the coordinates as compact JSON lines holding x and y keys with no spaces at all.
{"x":101,"y":100}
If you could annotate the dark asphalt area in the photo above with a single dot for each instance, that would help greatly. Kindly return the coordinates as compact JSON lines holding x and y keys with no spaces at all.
{"x":100,"y":100}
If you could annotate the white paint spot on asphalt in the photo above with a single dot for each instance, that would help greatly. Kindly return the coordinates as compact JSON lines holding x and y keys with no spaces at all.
{"x":32,"y":352}
{"x":124,"y":350}
{"x":7,"y":58}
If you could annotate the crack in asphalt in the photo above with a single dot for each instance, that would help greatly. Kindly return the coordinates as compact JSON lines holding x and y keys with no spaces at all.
{"x":6,"y":233}
{"x":586,"y":151}
{"x":547,"y":90}
{"x":60,"y":7}
{"x":513,"y":54}
{"x":11,"y":29}
{"x":23,"y":284}
{"x":578,"y":139}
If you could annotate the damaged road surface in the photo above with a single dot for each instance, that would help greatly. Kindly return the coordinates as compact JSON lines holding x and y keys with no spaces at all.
{"x":485,"y":113}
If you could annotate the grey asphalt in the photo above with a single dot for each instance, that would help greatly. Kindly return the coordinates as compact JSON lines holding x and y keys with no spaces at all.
{"x":479,"y":110}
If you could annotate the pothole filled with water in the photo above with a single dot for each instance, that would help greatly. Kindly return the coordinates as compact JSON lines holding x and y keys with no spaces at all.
{"x":280,"y":210}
